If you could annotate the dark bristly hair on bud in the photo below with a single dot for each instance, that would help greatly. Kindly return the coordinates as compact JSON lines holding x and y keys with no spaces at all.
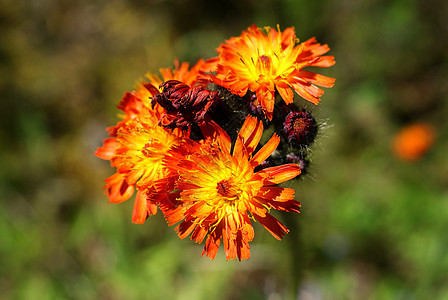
{"x":286,"y":156}
{"x":300,"y":128}
{"x":297,"y":129}
{"x":230,"y":112}
{"x":299,"y":159}
{"x":185,"y":105}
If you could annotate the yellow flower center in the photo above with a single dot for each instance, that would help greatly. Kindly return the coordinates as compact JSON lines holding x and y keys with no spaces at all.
{"x":265,"y":59}
{"x":299,"y":125}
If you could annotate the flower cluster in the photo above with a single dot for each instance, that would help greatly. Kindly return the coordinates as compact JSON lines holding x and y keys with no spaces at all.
{"x":188,"y":141}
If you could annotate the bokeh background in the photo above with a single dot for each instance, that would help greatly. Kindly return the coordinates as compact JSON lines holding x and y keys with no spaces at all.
{"x":372,"y":226}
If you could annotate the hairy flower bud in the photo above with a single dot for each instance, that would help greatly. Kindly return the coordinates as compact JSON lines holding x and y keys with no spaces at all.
{"x":300,"y":128}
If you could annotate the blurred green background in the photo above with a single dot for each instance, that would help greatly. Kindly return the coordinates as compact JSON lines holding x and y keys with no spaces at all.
{"x":372,"y":227}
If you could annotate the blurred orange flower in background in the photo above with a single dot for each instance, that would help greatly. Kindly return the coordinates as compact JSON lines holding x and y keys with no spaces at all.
{"x":413,"y":141}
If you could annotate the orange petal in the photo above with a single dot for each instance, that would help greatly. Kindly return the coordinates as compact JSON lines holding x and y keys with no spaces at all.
{"x":173,"y":214}
{"x":266,"y":98}
{"x":199,"y":208}
{"x":280,"y":173}
{"x":185,"y":228}
{"x":213,"y":240}
{"x":323,"y":61}
{"x":140,"y":212}
{"x":252,"y":141}
{"x":118,"y":189}
{"x":278,"y":198}
{"x":134,"y":175}
{"x":199,"y":234}
{"x":314,"y":78}
{"x":265,"y":151}
{"x":256,"y":207}
{"x":249,"y":125}
{"x":242,"y":246}
{"x":308,"y":91}
{"x":285,"y":91}
{"x":250,"y":134}
{"x":229,"y":239}
{"x":311,"y":49}
{"x":107,"y":151}
{"x":244,"y":132}
{"x":277,"y":229}
{"x":152,"y":198}
{"x":215,"y":132}
{"x":248,"y":230}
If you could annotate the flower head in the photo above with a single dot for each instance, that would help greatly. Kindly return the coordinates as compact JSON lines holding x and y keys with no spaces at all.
{"x":136,"y":148}
{"x":172,"y":145}
{"x":300,"y":127}
{"x":137,"y":143}
{"x":220,"y":192}
{"x":264,"y":62}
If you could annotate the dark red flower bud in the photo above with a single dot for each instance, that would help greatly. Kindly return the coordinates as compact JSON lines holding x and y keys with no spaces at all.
{"x":184,"y":105}
{"x":300,"y":128}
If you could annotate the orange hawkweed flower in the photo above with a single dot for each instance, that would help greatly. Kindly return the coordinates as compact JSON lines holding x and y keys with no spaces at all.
{"x":220,"y":192}
{"x":413,"y":141}
{"x":136,"y":148}
{"x":137,"y":144}
{"x":264,"y":62}
{"x":182,"y":73}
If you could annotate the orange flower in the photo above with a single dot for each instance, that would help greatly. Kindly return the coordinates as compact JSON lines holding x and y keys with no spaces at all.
{"x":413,"y":141}
{"x":189,"y":77}
{"x":220,"y":192}
{"x":136,"y":148}
{"x":265,"y":62}
{"x":137,"y":152}
{"x":137,"y":144}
